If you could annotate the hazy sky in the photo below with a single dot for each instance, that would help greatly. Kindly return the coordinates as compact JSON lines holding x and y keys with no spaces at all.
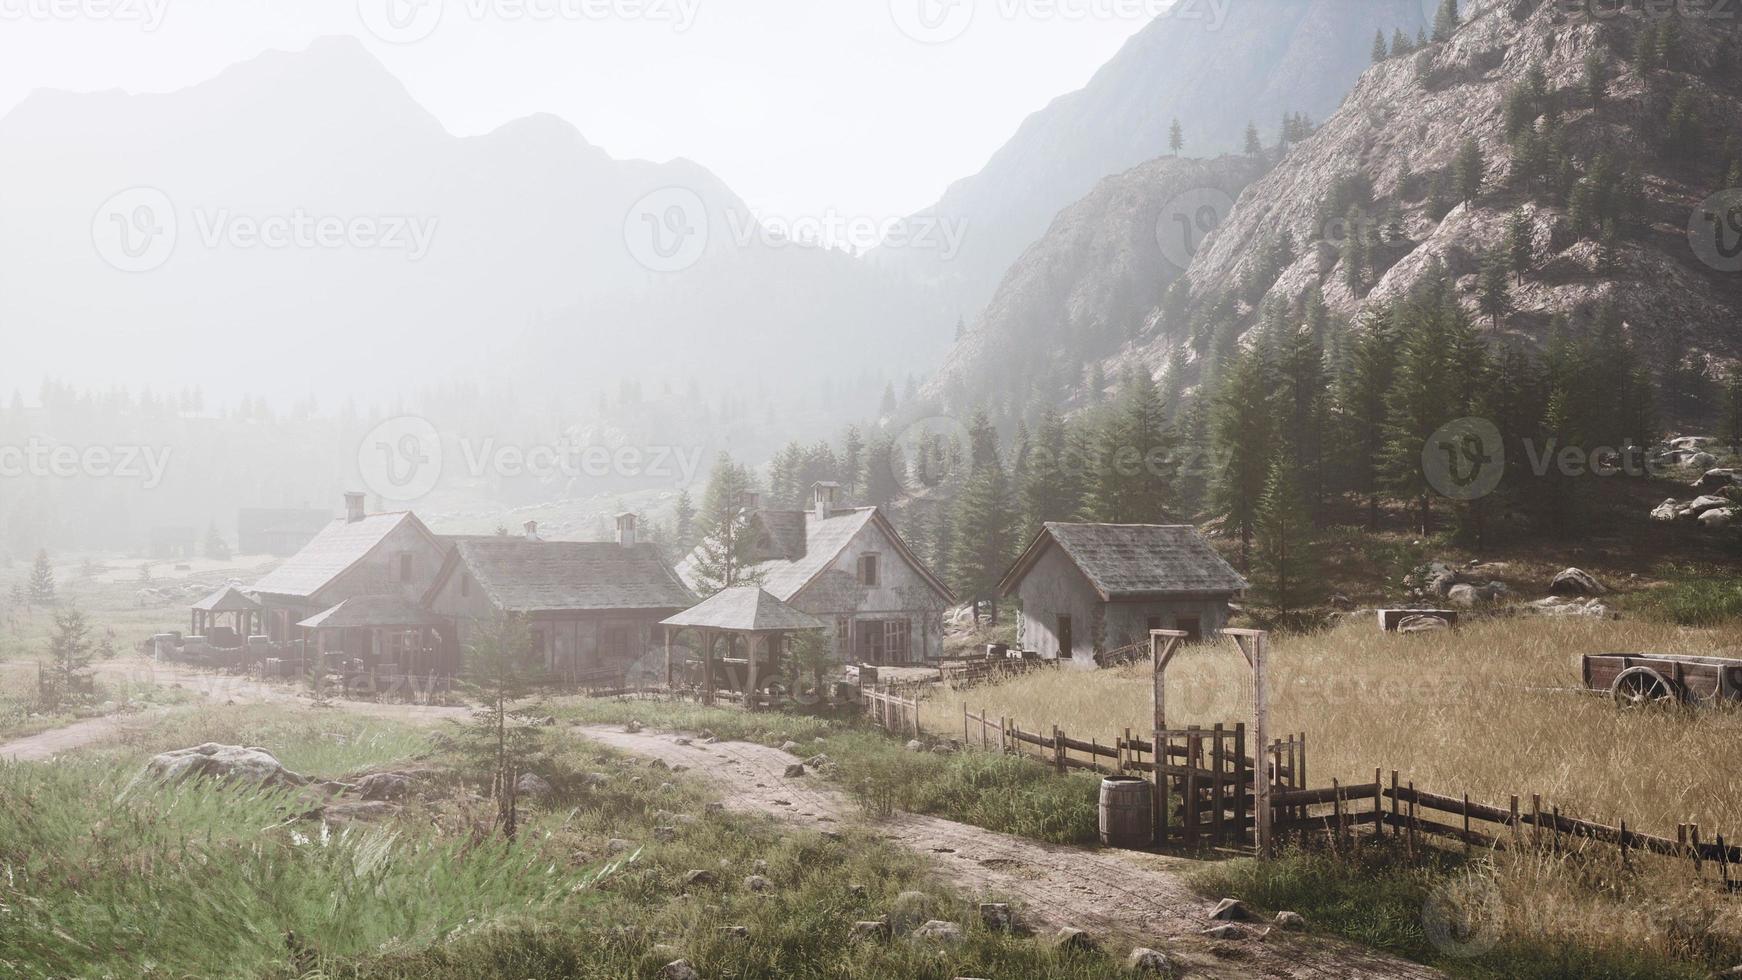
{"x":804,"y":107}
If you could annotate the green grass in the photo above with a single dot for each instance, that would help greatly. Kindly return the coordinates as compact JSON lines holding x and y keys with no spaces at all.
{"x":1695,"y":595}
{"x":1379,"y":898}
{"x":1007,"y":794}
{"x":21,"y":713}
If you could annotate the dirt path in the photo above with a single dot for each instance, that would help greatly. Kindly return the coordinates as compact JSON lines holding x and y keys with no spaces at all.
{"x":215,"y":688}
{"x":1104,"y":892}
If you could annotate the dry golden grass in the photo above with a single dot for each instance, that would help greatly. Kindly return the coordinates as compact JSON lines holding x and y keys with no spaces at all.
{"x":1483,"y":710}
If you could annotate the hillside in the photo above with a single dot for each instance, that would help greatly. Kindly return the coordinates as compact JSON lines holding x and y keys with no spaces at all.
{"x":1084,"y":291}
{"x":1215,"y":67}
{"x":1514,"y":80}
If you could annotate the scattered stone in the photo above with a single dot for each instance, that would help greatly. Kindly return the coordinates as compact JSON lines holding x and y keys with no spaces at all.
{"x":1718,"y":519}
{"x":531,"y":784}
{"x":1702,"y":460}
{"x":700,"y":876}
{"x":1669,"y":510}
{"x":857,"y":891}
{"x":940,"y":932}
{"x":757,"y":883}
{"x":223,"y":762}
{"x":1714,"y":480}
{"x":682,"y":741}
{"x":714,"y":808}
{"x":1231,"y":910}
{"x":594,"y":780}
{"x":664,"y":817}
{"x":759,"y":865}
{"x":1146,"y":960}
{"x":657,"y":764}
{"x":819,"y":761}
{"x":834,"y":836}
{"x":667,"y":788}
{"x":997,"y":917}
{"x":1576,"y":581}
{"x":1702,"y":504}
{"x":1463,"y":596}
{"x":1290,"y":921}
{"x":877,"y":929}
{"x":915,"y":745}
{"x":710,"y":740}
{"x":1075,"y":940}
{"x":679,"y":970}
{"x":1226,"y":931}
{"x":634,"y":727}
{"x":795,"y":770}
{"x":943,"y":750}
{"x":791,"y":748}
{"x":665,"y":835}
{"x":735,"y":932}
{"x":618,"y":845}
{"x":362,"y":811}
{"x":384,"y":786}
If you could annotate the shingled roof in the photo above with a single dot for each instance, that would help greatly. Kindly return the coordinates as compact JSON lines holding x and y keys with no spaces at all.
{"x":373,"y":611}
{"x":226,"y":600}
{"x":524,"y":575}
{"x":746,"y":609}
{"x":339,"y":546}
{"x":823,"y":541}
{"x":1134,"y":561}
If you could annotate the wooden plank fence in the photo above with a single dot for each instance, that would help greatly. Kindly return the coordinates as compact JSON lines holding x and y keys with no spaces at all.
{"x":890,"y":711}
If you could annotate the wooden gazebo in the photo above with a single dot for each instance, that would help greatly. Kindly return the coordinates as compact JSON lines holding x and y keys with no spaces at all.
{"x":747,"y":618}
{"x":245,"y":613}
{"x":384,"y":634}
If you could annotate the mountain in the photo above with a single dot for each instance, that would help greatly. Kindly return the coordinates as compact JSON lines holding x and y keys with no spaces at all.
{"x":1086,"y":290}
{"x":527,"y":249}
{"x":1213,"y":66}
{"x":1649,"y":158}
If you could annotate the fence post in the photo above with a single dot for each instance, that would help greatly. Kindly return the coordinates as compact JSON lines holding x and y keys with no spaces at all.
{"x":1336,"y":815}
{"x":1218,"y":762}
{"x":915,"y":703}
{"x":1378,"y":804}
{"x":1517,"y":829}
{"x":1699,"y":857}
{"x":1536,"y":821}
{"x":1058,"y":748}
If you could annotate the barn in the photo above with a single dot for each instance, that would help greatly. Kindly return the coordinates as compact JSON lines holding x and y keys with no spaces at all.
{"x":1090,"y":592}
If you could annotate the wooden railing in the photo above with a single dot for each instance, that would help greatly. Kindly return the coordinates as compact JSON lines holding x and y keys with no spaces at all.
{"x":890,"y":711}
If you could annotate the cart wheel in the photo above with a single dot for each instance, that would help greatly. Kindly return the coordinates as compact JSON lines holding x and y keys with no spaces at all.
{"x":1640,"y":687}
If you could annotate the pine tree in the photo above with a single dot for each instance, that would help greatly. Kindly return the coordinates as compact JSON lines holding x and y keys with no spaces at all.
{"x":1244,"y":433}
{"x":1176,"y":140}
{"x":1048,"y":490}
{"x":888,"y":407}
{"x":885,"y":471}
{"x":1286,"y":571}
{"x":1520,"y":242}
{"x":1301,"y":370}
{"x":982,"y":534}
{"x":725,"y":557}
{"x":1468,"y":171}
{"x":1400,"y":43}
{"x":1446,"y":20}
{"x":1380,"y":51}
{"x":1362,"y":402}
{"x":499,"y":737}
{"x":683,"y":522}
{"x":1436,"y":381}
{"x":1494,"y":291}
{"x":852,"y":459}
{"x":1129,"y":483}
{"x":1596,"y":80}
{"x":41,"y":588}
{"x":69,"y":650}
{"x":1254,"y":145}
{"x":216,"y":548}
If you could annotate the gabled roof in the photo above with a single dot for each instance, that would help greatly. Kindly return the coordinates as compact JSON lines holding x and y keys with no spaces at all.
{"x":524,"y":575}
{"x":824,"y":541}
{"x":333,"y":552}
{"x":1133,"y":561}
{"x":384,"y":611}
{"x":746,"y":609}
{"x":228,"y":599}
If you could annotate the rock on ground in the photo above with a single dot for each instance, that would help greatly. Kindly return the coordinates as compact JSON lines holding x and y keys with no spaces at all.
{"x":939,"y":931}
{"x":871,"y":929}
{"x":1226,"y":931}
{"x":385,"y":786}
{"x":1072,"y":938}
{"x":530,"y":784}
{"x":1146,"y":960}
{"x":679,"y":970}
{"x":699,"y":876}
{"x":1576,"y":581}
{"x":997,"y":917}
{"x":223,"y":762}
{"x":1290,"y":921}
{"x":1231,"y":910}
{"x":795,"y":770}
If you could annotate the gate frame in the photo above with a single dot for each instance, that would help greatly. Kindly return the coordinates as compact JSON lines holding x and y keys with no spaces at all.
{"x":1253,"y":645}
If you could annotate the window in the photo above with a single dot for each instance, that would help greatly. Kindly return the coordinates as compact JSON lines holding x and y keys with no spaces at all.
{"x":868,"y":571}
{"x":843,"y":629}
{"x":896,"y":634}
{"x":405,"y":567}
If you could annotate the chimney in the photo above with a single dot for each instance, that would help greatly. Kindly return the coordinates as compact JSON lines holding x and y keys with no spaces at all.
{"x":750,"y":500}
{"x":626,"y":530}
{"x":823,"y":496}
{"x":354,"y":510}
{"x":532,"y":531}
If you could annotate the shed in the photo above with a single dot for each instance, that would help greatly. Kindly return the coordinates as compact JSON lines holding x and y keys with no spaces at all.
{"x":748,"y":616}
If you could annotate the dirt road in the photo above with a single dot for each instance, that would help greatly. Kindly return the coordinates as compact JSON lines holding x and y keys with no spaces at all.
{"x":1104,"y":892}
{"x":216,"y":688}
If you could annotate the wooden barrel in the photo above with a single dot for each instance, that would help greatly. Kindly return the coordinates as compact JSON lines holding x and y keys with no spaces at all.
{"x":1126,"y":814}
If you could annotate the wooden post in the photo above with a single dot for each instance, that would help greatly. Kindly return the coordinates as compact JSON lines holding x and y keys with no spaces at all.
{"x":1194,"y":752}
{"x":1260,"y":732}
{"x":1557,"y":830}
{"x":1411,"y":821}
{"x":1336,"y":815}
{"x":669,"y":685}
{"x":1241,"y":775}
{"x":1396,"y":818}
{"x":1536,"y":821}
{"x":1378,"y":805}
{"x":964,"y":724}
{"x":1699,"y":858}
{"x":750,"y":673}
{"x":915,"y":703}
{"x":1162,"y":646}
{"x":1517,"y":830}
{"x":1624,"y":843}
{"x":1217,"y":765}
{"x":1058,"y":749}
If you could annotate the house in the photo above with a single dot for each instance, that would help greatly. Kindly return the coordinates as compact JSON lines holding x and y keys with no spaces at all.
{"x":280,"y":533}
{"x":359,"y":554}
{"x":590,"y":605}
{"x":1090,"y":590}
{"x":849,"y":568}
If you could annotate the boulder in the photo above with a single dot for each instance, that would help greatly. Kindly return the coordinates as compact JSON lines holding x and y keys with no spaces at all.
{"x":679,"y":970}
{"x":790,"y":747}
{"x":915,"y":745}
{"x":795,"y":770}
{"x":741,"y":933}
{"x":757,"y":883}
{"x":1576,"y":581}
{"x":1423,"y":624}
{"x":1073,"y":939}
{"x":1707,"y":502}
{"x":940,"y":932}
{"x":530,"y":784}
{"x":1722,"y":517}
{"x":1702,"y":461}
{"x":1231,"y":910}
{"x":618,"y":845}
{"x":223,"y":762}
{"x":633,"y":727}
{"x":594,"y":780}
{"x":870,"y":930}
{"x":1225,"y":931}
{"x":384,"y":786}
{"x":1669,"y":510}
{"x":1290,"y":921}
{"x":699,"y":877}
{"x":1691,"y":443}
{"x":819,"y":761}
{"x":1464,"y":596}
{"x":715,"y":807}
{"x":997,"y":917}
{"x":1146,"y":960}
{"x":1712,"y":481}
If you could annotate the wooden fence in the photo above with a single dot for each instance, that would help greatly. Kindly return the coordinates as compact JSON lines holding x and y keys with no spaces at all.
{"x":890,"y":711}
{"x":971,"y":673}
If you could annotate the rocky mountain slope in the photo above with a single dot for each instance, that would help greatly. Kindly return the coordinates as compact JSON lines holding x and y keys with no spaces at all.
{"x":1213,"y":66}
{"x":1084,"y":291}
{"x":1402,"y":129}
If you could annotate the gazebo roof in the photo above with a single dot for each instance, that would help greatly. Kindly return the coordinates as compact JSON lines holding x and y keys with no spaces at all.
{"x":373,"y":611}
{"x":746,"y":609}
{"x":227,"y":600}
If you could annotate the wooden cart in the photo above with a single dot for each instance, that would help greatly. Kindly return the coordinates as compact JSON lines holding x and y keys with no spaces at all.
{"x":1639,"y":679}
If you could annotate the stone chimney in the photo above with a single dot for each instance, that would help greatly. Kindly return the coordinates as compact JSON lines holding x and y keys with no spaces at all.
{"x":823,"y":500}
{"x":532,"y":531}
{"x":626,"y":530}
{"x":354,"y":507}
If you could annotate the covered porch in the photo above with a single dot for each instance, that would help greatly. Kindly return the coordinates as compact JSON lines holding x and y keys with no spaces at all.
{"x":742,"y":638}
{"x":384,"y":638}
